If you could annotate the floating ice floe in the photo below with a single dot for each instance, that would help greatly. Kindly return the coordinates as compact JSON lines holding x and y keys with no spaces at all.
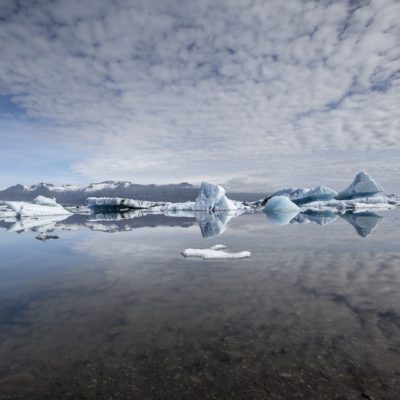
{"x":45,"y":236}
{"x":79,"y":209}
{"x":357,"y":204}
{"x":120,"y":203}
{"x":41,"y":206}
{"x":215,"y":253}
{"x":362,"y":186}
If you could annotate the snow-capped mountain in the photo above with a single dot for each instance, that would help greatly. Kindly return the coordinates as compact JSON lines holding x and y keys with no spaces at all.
{"x":77,"y":194}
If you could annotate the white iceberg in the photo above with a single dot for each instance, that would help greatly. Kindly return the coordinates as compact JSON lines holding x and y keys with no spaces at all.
{"x":176,"y":207}
{"x":212,"y":198}
{"x":215,"y":253}
{"x":362,"y":186}
{"x":45,"y":201}
{"x":356,"y":204}
{"x":120,"y":203}
{"x":25,"y":209}
{"x":305,"y":195}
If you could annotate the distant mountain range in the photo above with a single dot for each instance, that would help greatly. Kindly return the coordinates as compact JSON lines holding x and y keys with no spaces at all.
{"x":77,"y":194}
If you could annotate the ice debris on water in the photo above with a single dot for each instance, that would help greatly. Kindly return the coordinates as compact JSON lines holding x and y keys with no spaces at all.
{"x":215,"y":253}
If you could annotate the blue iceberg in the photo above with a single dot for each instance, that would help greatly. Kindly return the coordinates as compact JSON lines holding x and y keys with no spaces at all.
{"x":362,"y":186}
{"x":304,"y":195}
{"x":281,"y":204}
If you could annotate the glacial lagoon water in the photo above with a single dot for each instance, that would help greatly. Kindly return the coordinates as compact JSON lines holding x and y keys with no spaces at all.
{"x":111,"y":309}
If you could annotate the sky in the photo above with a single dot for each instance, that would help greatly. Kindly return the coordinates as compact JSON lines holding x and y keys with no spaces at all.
{"x":247,"y":93}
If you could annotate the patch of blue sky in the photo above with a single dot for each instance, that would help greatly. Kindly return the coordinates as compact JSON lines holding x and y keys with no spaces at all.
{"x":24,"y":157}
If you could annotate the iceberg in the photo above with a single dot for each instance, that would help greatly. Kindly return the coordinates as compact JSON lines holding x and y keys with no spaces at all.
{"x":39,"y":209}
{"x":362,"y":186}
{"x":45,"y":201}
{"x":281,"y":204}
{"x":120,"y":203}
{"x":212,"y":198}
{"x":356,"y":204}
{"x":215,"y":253}
{"x":280,"y":210}
{"x":304,"y":195}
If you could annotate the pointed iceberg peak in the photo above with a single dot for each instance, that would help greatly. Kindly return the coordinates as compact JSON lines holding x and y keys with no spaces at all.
{"x":362,"y":186}
{"x":212,"y":198}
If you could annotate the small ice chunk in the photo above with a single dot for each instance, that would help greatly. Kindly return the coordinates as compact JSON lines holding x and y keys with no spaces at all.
{"x":362,"y":186}
{"x":218,"y":247}
{"x":281,"y":204}
{"x":44,"y":236}
{"x":215,"y":253}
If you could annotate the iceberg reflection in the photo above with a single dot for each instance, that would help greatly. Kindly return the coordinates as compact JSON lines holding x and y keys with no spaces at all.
{"x":280,"y":218}
{"x":211,"y":224}
{"x":363,"y":222}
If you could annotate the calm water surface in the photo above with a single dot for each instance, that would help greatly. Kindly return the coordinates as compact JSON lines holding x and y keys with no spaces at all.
{"x":313,"y":314}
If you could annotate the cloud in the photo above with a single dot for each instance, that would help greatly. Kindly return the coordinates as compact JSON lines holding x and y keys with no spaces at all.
{"x":170,"y":90}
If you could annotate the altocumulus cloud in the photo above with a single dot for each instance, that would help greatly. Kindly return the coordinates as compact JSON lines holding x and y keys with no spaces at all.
{"x":168,"y":90}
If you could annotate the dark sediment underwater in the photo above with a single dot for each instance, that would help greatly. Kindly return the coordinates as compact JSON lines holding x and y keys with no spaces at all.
{"x":115,"y":311}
